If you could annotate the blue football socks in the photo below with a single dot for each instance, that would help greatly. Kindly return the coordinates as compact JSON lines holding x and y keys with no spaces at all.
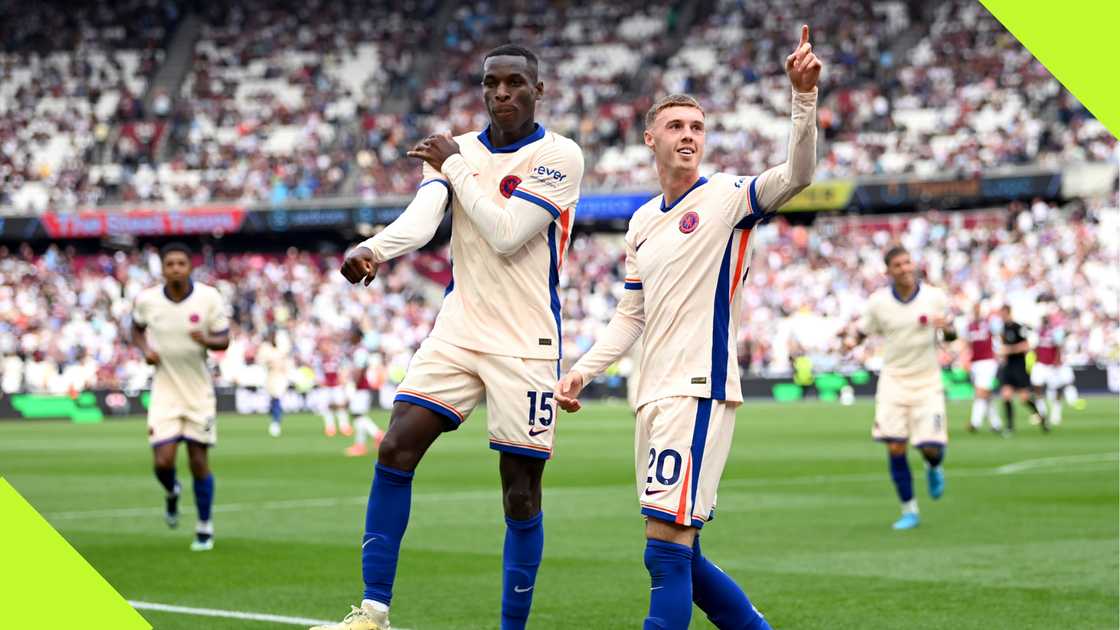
{"x":390,"y":498}
{"x":726,"y":605}
{"x":521,"y":557}
{"x":276,"y":410}
{"x":900,"y":474}
{"x":670,"y":594}
{"x":204,"y":496}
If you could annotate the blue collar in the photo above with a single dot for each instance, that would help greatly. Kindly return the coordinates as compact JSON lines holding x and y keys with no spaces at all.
{"x":700,"y":182}
{"x":190,"y":290}
{"x":484,"y":138}
{"x":894,"y":292}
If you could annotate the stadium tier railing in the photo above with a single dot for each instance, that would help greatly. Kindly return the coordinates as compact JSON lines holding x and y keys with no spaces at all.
{"x":353,"y":216}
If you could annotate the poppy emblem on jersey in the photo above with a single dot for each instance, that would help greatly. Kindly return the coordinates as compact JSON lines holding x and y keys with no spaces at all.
{"x":508,"y":185}
{"x":689,"y":222}
{"x":194,"y":318}
{"x":923,"y":320}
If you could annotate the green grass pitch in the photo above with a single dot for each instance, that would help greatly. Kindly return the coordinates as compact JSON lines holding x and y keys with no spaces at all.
{"x":1025,"y":537}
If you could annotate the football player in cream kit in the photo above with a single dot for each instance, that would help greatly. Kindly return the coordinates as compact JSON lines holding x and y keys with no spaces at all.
{"x":174,"y":325}
{"x":687,"y":255}
{"x":910,"y":397}
{"x":512,"y":190}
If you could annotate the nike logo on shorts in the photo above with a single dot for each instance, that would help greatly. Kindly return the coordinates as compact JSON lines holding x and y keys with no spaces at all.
{"x":652,"y":492}
{"x":533,"y":433}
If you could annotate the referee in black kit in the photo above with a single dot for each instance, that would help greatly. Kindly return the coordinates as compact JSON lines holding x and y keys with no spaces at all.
{"x":1013,"y":376}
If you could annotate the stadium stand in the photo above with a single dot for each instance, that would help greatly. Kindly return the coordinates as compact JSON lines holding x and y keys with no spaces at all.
{"x":806,"y":285}
{"x":287,"y":101}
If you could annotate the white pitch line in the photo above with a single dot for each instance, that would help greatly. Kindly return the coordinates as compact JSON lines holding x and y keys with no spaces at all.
{"x":1007,"y":469}
{"x":230,"y":614}
{"x":1049,"y":462}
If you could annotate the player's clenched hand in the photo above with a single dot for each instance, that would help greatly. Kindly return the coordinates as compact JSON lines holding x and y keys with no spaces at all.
{"x":567,"y":392}
{"x":435,"y":149}
{"x":359,"y":265}
{"x":152,"y":357}
{"x":803,"y":67}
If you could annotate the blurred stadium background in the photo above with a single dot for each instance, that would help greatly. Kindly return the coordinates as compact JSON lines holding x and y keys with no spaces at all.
{"x":270,"y":135}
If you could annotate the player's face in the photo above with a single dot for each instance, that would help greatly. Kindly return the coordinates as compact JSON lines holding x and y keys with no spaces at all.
{"x":511,"y":92}
{"x":677,"y":138}
{"x":176,"y":267}
{"x":901,"y":270}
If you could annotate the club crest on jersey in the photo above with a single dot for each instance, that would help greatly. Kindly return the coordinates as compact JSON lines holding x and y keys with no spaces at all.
{"x":508,"y":185}
{"x":194,"y":318}
{"x":923,"y":320}
{"x":689,"y":222}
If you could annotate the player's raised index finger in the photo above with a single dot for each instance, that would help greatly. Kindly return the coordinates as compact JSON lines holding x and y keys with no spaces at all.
{"x":804,"y":35}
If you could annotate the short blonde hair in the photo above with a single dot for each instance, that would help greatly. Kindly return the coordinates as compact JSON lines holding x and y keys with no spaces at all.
{"x":672,"y":100}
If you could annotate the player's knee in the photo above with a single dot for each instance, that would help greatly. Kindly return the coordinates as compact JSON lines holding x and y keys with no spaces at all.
{"x":520,"y":503}
{"x":395,"y":453}
{"x":896,"y":448}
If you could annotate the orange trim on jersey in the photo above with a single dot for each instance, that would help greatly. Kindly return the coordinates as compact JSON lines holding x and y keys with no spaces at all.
{"x":565,"y":231}
{"x":535,"y":447}
{"x":682,"y":506}
{"x":743,"y":240}
{"x":658,"y":508}
{"x":629,"y":279}
{"x":432,"y":399}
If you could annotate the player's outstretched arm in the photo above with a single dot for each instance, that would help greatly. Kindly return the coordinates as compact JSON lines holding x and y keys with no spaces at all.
{"x":779,"y":184}
{"x":508,"y":227}
{"x":411,"y":231}
{"x":625,"y":327}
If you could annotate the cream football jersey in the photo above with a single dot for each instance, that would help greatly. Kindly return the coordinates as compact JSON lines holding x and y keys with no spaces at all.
{"x":509,"y":304}
{"x":690,"y":259}
{"x":909,"y":338}
{"x":182,"y":386}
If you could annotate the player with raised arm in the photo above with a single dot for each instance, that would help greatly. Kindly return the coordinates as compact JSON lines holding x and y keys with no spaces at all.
{"x":983,"y":366}
{"x":687,"y":255}
{"x":512,"y":189}
{"x":910,"y":396}
{"x":174,"y":325}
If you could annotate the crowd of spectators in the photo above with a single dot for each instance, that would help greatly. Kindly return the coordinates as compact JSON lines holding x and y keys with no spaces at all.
{"x":287,"y":100}
{"x":64,"y":318}
{"x":70,"y":75}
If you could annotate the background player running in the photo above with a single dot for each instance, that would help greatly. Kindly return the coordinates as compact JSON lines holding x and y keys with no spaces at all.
{"x":174,"y":325}
{"x":1013,"y":376}
{"x":1049,"y":376}
{"x":686,"y":258}
{"x":276,"y":360}
{"x":910,"y":396}
{"x":512,"y":189}
{"x":983,"y":367}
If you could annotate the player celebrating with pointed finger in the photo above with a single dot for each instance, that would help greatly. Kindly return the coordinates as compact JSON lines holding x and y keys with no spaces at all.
{"x":687,"y":253}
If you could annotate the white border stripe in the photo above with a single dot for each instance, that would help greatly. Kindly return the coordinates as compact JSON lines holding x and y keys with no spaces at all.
{"x":228,"y":614}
